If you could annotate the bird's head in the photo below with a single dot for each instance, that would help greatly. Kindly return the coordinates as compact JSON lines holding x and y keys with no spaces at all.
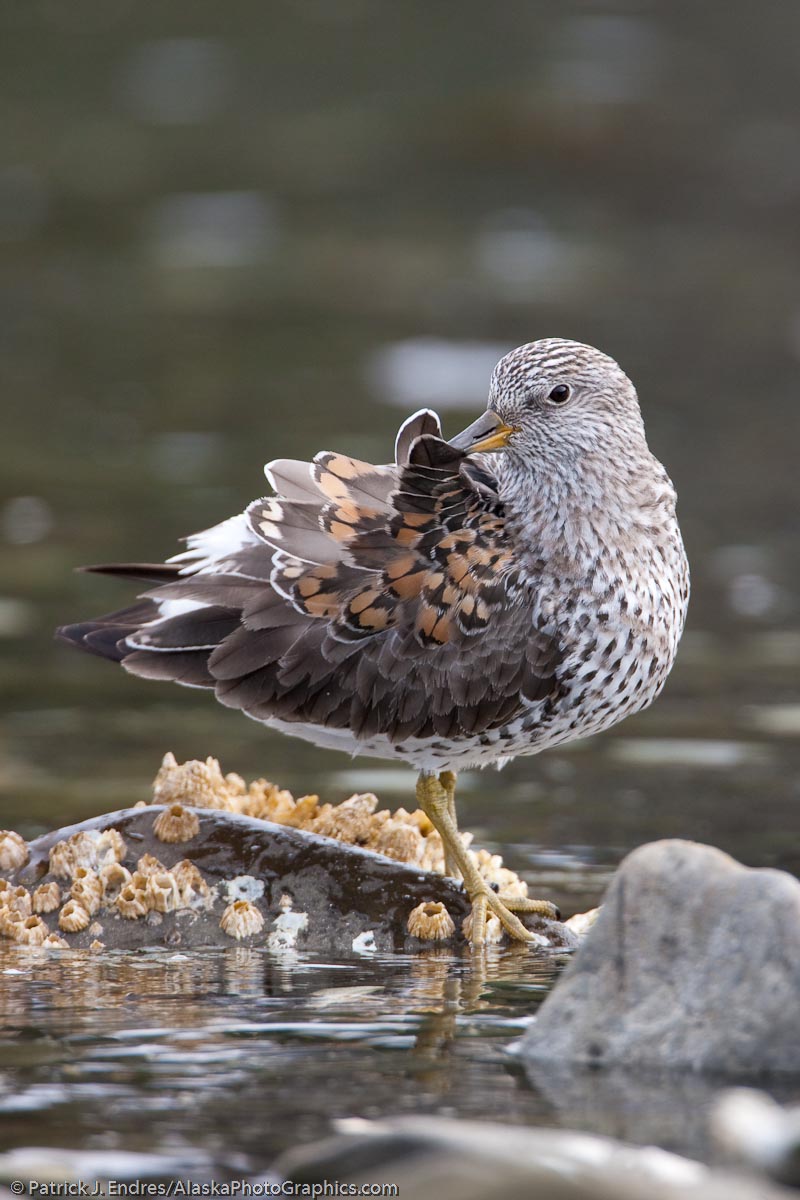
{"x":555,"y":397}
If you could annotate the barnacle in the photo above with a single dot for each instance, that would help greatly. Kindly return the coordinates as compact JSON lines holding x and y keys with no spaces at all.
{"x":200,"y":784}
{"x":398,"y":840}
{"x":113,"y":879}
{"x":97,"y":945}
{"x":349,"y":821}
{"x":494,"y":930}
{"x":235,"y":784}
{"x":433,"y":854}
{"x":132,"y":902}
{"x":89,"y":848}
{"x":148,"y":865}
{"x":15,"y":906}
{"x":267,"y":802}
{"x":492,"y":870}
{"x":61,"y":860}
{"x":32,"y":931}
{"x":193,"y":889}
{"x":418,"y":818}
{"x":13,"y":850}
{"x":110,"y":848}
{"x":47,"y":897}
{"x":285,"y":929}
{"x":304,"y":812}
{"x":54,"y":941}
{"x":581,"y":923}
{"x":73,"y":917}
{"x":241,"y":919}
{"x":10,"y":920}
{"x":87,"y":889}
{"x":176,"y":824}
{"x":430,"y":922}
{"x":162,"y":892}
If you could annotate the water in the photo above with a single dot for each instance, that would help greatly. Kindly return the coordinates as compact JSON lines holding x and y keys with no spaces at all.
{"x":232,"y":235}
{"x":237,"y":1055}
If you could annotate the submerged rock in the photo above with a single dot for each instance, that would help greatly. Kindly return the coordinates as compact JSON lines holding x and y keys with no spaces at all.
{"x":432,"y":1158}
{"x":693,"y":963}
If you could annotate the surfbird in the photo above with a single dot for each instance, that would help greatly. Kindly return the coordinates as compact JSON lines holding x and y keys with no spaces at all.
{"x":517,"y":587}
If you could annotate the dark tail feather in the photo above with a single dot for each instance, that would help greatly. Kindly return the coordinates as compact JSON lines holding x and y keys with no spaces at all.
{"x":152,"y":572}
{"x":104,"y":636}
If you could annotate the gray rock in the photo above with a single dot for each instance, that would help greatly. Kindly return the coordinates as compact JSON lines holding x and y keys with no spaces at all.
{"x":750,"y":1128}
{"x":355,"y":901}
{"x":432,"y":1158}
{"x":694,"y":963}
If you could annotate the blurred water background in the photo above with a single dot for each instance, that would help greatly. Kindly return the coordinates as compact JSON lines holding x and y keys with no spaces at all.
{"x":230,"y":233}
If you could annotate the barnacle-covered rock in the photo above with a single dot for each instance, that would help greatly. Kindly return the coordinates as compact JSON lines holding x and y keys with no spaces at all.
{"x":347,"y":899}
{"x":73,"y":917}
{"x":87,"y":889}
{"x":132,"y":902}
{"x":162,"y":892}
{"x":32,"y":931}
{"x":13,"y":850}
{"x":176,"y":824}
{"x":113,"y":879}
{"x":47,"y":897}
{"x":241,"y":919}
{"x":430,"y":922}
{"x":199,"y":784}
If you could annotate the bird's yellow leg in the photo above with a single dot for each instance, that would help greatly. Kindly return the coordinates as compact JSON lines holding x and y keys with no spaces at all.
{"x":432,"y":797}
{"x":448,"y":781}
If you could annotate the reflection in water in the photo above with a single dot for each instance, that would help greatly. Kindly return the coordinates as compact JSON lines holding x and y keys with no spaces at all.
{"x":155,"y":1050}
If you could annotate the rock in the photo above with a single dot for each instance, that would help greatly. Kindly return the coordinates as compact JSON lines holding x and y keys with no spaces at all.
{"x":433,"y":1158}
{"x":313,"y":892}
{"x":694,"y":963}
{"x":751,"y":1129}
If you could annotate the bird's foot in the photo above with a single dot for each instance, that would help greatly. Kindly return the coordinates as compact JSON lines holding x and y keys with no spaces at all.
{"x":487,"y":903}
{"x":435,"y":796}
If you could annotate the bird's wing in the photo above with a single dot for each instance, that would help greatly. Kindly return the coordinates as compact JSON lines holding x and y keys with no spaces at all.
{"x":384,"y":600}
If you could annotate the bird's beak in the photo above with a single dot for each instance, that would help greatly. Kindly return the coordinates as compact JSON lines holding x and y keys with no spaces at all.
{"x":487,"y":433}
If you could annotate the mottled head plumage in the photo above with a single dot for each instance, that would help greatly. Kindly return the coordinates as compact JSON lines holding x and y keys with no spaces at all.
{"x":563,"y":393}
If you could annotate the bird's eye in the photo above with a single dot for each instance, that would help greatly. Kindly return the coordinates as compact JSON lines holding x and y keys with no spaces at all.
{"x":559,"y":394}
